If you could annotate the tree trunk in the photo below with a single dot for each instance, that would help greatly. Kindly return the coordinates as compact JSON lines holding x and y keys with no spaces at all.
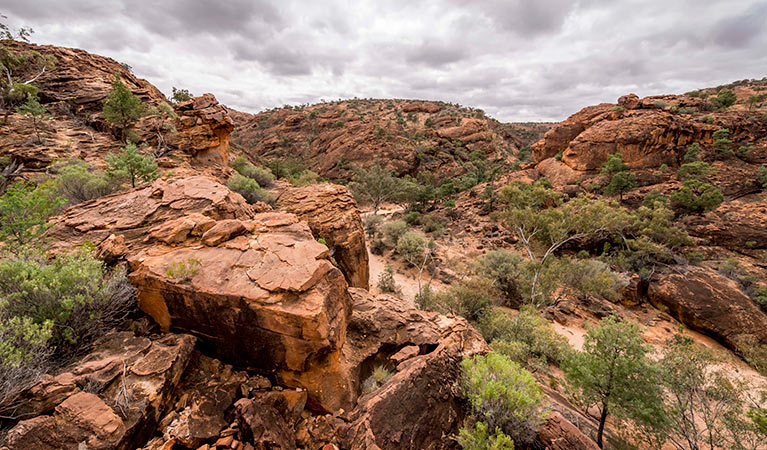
{"x":601,"y":430}
{"x":37,"y":132}
{"x":535,"y":284}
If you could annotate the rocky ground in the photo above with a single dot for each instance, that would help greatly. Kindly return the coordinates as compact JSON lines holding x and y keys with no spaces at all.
{"x":267,"y":342}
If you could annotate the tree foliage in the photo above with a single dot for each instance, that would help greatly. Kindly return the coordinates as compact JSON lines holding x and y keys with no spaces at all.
{"x":24,"y":210}
{"x":612,"y":373}
{"x":130,"y":164}
{"x":121,"y":108}
{"x":375,"y":186}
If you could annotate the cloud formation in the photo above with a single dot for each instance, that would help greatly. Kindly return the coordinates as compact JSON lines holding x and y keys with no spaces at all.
{"x":518,"y":60}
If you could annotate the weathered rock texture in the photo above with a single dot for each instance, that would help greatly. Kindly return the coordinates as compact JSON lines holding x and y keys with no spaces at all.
{"x":737,"y":225}
{"x":557,"y":433}
{"x":270,"y":299}
{"x":112,"y":399}
{"x":647,"y":132}
{"x":184,"y":206}
{"x":420,"y":405}
{"x":81,"y":79}
{"x":401,"y":135}
{"x":332,"y":214}
{"x":708,"y":302}
{"x":203,"y":127}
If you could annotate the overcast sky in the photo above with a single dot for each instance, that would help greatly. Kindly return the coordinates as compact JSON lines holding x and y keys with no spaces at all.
{"x":518,"y":60}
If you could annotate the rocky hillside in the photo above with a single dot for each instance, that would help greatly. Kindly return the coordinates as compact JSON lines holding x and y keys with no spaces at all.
{"x":405,"y":136}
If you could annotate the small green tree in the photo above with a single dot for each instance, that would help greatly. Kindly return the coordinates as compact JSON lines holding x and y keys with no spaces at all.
{"x":724,"y":99}
{"x":621,"y":180}
{"x":180,"y":95}
{"x":543,"y":221}
{"x":692,"y":153}
{"x":131,"y":164}
{"x":761,"y":176}
{"x":612,"y":372}
{"x":35,"y":111}
{"x":24,"y":210}
{"x":755,"y":100}
{"x":417,"y":251}
{"x":504,"y":396}
{"x":480,"y":438}
{"x":722,"y":143}
{"x":121,"y":108}
{"x":374,"y":186}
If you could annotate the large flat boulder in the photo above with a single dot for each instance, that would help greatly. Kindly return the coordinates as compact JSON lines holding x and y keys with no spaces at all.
{"x":269,"y":300}
{"x":706,"y":301}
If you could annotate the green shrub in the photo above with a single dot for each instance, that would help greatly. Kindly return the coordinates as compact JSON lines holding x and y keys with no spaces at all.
{"x":692,"y":153}
{"x":724,"y":99}
{"x":722,"y":143}
{"x":663,"y":167}
{"x":470,"y":298}
{"x":695,"y":170}
{"x":432,"y":224}
{"x":708,"y":119}
{"x":412,"y":217}
{"x":286,"y":168}
{"x":393,"y":230}
{"x":504,"y":396}
{"x":618,"y":109}
{"x":559,"y":155}
{"x":376,"y":379}
{"x":372,"y":222}
{"x":761,"y":176}
{"x":411,"y":245}
{"x":479,"y":438}
{"x":121,"y":108}
{"x":305,"y":178}
{"x":183,"y":270}
{"x":660,"y":104}
{"x":386,"y":281}
{"x":697,"y":196}
{"x":69,"y":300}
{"x":76,"y":183}
{"x":24,"y":210}
{"x":654,"y":197}
{"x":249,"y":188}
{"x":506,"y":269}
{"x":130,"y":164}
{"x":526,"y":337}
{"x":263,"y":176}
{"x":591,"y":277}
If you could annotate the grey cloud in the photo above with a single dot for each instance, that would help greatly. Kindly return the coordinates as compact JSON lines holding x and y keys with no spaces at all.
{"x":436,"y":54}
{"x":741,"y":30}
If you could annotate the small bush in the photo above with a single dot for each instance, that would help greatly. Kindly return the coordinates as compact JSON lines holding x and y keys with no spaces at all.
{"x":697,"y":196}
{"x":412,"y":217}
{"x":263,"y":176}
{"x":504,"y":396}
{"x":527,"y":337}
{"x":130,"y":164}
{"x":376,"y":379}
{"x":393,"y":230}
{"x":708,"y":119}
{"x":76,"y":183}
{"x":372,"y":223}
{"x":505,"y":269}
{"x":660,"y":104}
{"x":305,"y":178}
{"x":470,"y":298}
{"x":286,"y":168}
{"x":692,"y":153}
{"x":412,"y":245}
{"x":761,"y":176}
{"x":70,"y":300}
{"x":479,"y":438}
{"x":377,"y":246}
{"x":618,"y":109}
{"x":24,"y":210}
{"x":249,"y":188}
{"x":386,"y":281}
{"x":724,"y":99}
{"x":183,"y":270}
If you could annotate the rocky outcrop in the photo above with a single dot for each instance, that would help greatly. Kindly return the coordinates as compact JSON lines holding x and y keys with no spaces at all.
{"x":737,"y":225}
{"x":203,"y":127}
{"x":111,"y":399}
{"x":273,"y":289}
{"x":647,"y":132}
{"x":81,"y":79}
{"x":166,"y":210}
{"x":706,"y":301}
{"x":332,"y":214}
{"x":420,"y":405}
{"x":401,"y":135}
{"x":557,"y":433}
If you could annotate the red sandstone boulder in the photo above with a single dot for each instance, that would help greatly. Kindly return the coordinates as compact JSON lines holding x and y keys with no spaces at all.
{"x":203,"y":127}
{"x":557,"y":433}
{"x":708,"y":302}
{"x":737,"y":225}
{"x":420,"y":404}
{"x":332,"y":214}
